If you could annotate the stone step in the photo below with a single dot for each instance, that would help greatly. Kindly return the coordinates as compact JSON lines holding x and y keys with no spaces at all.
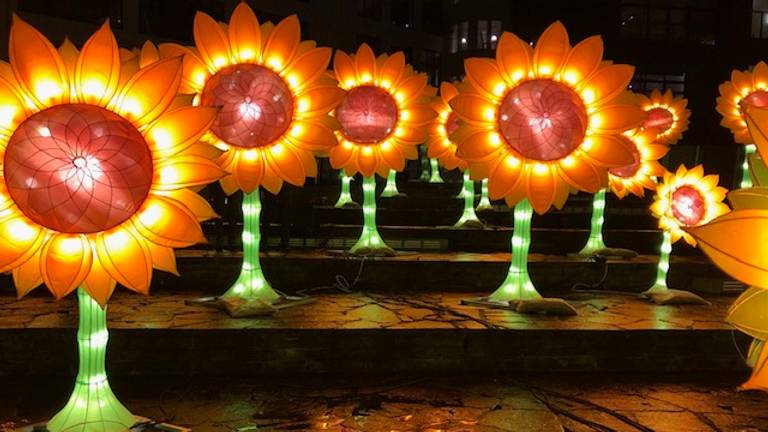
{"x":373,"y":334}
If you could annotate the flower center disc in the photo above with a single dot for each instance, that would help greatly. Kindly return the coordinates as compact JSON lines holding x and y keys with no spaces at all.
{"x":367,"y":114}
{"x":757,"y":99}
{"x":77,"y":168}
{"x":628,"y":171}
{"x":688,"y":206}
{"x":660,"y":119}
{"x":256,"y":105}
{"x":451,"y":123}
{"x":543,"y":120}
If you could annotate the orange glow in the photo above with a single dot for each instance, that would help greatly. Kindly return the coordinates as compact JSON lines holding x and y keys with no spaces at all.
{"x":745,"y":88}
{"x":439,"y":144}
{"x":571,"y":152}
{"x":667,"y":114}
{"x":642,"y":173}
{"x":142,"y":91}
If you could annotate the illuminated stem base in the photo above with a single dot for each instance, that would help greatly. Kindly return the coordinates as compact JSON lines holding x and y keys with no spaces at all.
{"x":345,"y":198}
{"x":518,"y":285}
{"x":390,"y":188}
{"x":595,"y":241}
{"x":746,"y":178}
{"x":370,"y":241}
{"x":92,"y":406}
{"x":468,"y":217}
{"x":485,"y":202}
{"x":435,"y":170}
{"x":251,"y":285}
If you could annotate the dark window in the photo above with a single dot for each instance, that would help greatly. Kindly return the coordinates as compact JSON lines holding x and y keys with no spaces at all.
{"x":646,"y":82}
{"x":92,"y":11}
{"x":402,"y":13}
{"x":760,"y":19}
{"x":488,"y":33}
{"x":173,"y":19}
{"x":674,"y":21}
{"x":428,"y":61}
{"x":369,"y":9}
{"x":432,"y":17}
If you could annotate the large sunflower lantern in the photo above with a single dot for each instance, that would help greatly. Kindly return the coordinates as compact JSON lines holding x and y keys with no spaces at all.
{"x":274,"y":98}
{"x":735,"y":242}
{"x":745,"y":89}
{"x":632,"y":179}
{"x":538,"y":123}
{"x":685,"y":199}
{"x":96,"y":161}
{"x":382,"y":118}
{"x":666,"y":114}
{"x":441,"y":148}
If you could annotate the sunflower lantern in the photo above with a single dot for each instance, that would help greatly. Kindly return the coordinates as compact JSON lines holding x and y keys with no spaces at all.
{"x":274,"y":98}
{"x":632,"y":179}
{"x":441,"y":148}
{"x":382,"y":118}
{"x":97,"y":161}
{"x":666,"y":114}
{"x":685,"y":199}
{"x":735,"y":242}
{"x":538,"y":123}
{"x":745,"y":89}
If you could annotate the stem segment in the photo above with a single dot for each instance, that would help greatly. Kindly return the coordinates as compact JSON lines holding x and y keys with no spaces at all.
{"x":435,"y":168}
{"x":345,"y":197}
{"x":746,"y":178}
{"x":468,"y":216}
{"x":251,"y":283}
{"x":595,"y":240}
{"x":518,"y":285}
{"x":485,"y":202}
{"x":390,"y":189}
{"x":663,"y":267}
{"x":92,"y":406}
{"x":370,"y":241}
{"x":424,"y":177}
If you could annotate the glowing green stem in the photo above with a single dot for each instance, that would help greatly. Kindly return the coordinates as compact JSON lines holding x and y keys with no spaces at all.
{"x":468,"y":215}
{"x":663,"y":267}
{"x":435,"y":168}
{"x":370,"y":242}
{"x":485,"y":202}
{"x":92,"y":406}
{"x":595,"y":240}
{"x":518,"y":285}
{"x":390,"y":189}
{"x":251,"y":283}
{"x":424,"y":177}
{"x":345,"y":197}
{"x":746,"y":178}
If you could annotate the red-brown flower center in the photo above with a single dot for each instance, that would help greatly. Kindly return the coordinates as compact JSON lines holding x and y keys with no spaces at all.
{"x":688,"y":205}
{"x":77,"y":168}
{"x":628,"y":171}
{"x":543,"y":120}
{"x":256,"y":105}
{"x":368,"y":114}
{"x":660,"y":119}
{"x":757,"y":99}
{"x":451,"y":123}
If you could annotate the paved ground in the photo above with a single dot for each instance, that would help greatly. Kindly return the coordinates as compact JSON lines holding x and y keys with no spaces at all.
{"x":546,"y":404}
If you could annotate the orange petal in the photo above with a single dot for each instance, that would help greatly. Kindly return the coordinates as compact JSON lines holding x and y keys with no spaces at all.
{"x":167,"y":224}
{"x":417,"y":115}
{"x":616,"y":118}
{"x":757,"y":124}
{"x":479,"y":146}
{"x":99,"y":284}
{"x":367,"y":161}
{"x":125,"y":256}
{"x":192,"y":201}
{"x":447,"y":91}
{"x":177,"y":130}
{"x":287,"y":163}
{"x":344,"y":68}
{"x":282,"y":43}
{"x":607,"y":83}
{"x":272,"y":181}
{"x":749,"y":198}
{"x":735,"y":242}
{"x":312,"y":136}
{"x":244,"y":34}
{"x":148,"y":55}
{"x":20,"y":238}
{"x":68,"y":53}
{"x":318,"y":100}
{"x":551,"y":50}
{"x":608,"y":151}
{"x":410,"y":89}
{"x":742,"y":81}
{"x":365,"y":62}
{"x":391,"y":70}
{"x":485,"y":77}
{"x":27,"y":277}
{"x":150,"y":91}
{"x":65,"y":262}
{"x":37,"y":65}
{"x":760,"y":75}
{"x":308,"y":67}
{"x":474,"y":109}
{"x":513,"y":57}
{"x":542,"y":187}
{"x":211,"y":41}
{"x":248,"y":169}
{"x":583,"y":60}
{"x":163,"y":258}
{"x":340,"y":155}
{"x":393,"y":156}
{"x":504,"y":178}
{"x":184,"y":171}
{"x":12,"y":109}
{"x":193,"y":70}
{"x":581,"y":174}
